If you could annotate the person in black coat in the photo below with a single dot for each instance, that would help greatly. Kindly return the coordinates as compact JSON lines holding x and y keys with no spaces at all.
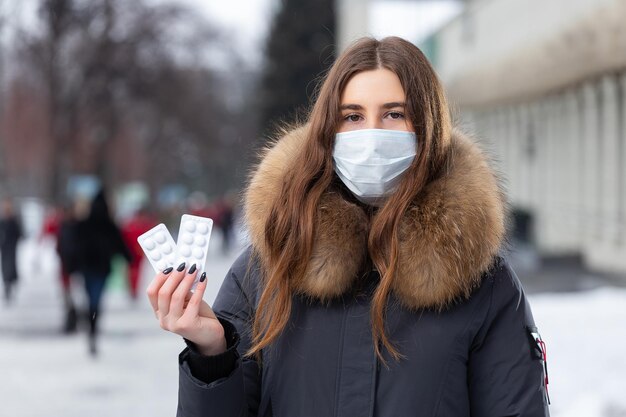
{"x":68,"y":249}
{"x":98,"y":240}
{"x":376,"y":282}
{"x":10,"y":234}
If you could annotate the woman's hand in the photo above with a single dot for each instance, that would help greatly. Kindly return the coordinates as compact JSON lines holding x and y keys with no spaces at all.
{"x":185,"y":313}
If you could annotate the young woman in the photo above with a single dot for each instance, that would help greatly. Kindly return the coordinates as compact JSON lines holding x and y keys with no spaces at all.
{"x":373,"y":285}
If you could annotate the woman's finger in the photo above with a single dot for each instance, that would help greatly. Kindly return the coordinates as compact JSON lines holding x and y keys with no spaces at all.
{"x":153,"y":289}
{"x":193,"y":306}
{"x":166,"y":291}
{"x":205,"y":310}
{"x":181,"y":294}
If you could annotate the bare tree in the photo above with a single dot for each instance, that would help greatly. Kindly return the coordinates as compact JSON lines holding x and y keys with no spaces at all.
{"x":109,"y":66}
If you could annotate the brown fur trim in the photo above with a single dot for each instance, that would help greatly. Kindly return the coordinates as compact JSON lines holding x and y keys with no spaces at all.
{"x":448,"y":237}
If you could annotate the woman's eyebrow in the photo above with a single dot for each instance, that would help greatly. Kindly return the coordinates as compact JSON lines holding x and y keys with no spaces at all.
{"x":390,"y":105}
{"x":393,"y":104}
{"x":351,"y":107}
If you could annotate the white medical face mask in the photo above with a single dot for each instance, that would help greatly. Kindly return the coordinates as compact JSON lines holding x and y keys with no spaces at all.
{"x":370,"y":162}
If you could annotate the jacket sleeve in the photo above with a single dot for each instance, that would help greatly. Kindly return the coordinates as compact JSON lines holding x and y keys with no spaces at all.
{"x":238,"y":393}
{"x":506,"y":366}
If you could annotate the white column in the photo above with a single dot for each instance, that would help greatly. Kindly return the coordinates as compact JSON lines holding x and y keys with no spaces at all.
{"x":523,"y":170}
{"x":610,"y":161}
{"x":571,"y":170}
{"x":548,"y":171}
{"x":500,"y":136}
{"x":579,"y":161}
{"x":536,"y":167}
{"x":559,"y":151}
{"x":485,"y":123}
{"x":540,"y":120}
{"x":591,"y":158}
{"x":513,"y":152}
{"x":622,"y":165}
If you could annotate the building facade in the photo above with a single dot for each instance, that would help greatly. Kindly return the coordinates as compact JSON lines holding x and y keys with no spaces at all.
{"x":544,"y":83}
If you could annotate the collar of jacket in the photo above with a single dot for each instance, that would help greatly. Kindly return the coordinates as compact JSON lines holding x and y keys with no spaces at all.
{"x":447,"y":239}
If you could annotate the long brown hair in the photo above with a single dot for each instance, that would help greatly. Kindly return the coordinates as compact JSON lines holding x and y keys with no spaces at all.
{"x":289,"y":230}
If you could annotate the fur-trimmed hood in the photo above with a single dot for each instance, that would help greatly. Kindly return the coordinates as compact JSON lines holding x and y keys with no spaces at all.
{"x":448,"y":237}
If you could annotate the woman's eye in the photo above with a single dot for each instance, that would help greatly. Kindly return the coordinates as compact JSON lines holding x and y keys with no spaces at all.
{"x":352,"y":118}
{"x":395,"y":115}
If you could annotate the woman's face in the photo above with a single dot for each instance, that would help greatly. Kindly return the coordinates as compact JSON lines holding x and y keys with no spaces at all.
{"x":373,"y":100}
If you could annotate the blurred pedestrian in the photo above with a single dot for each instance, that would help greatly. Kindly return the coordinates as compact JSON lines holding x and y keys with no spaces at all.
{"x":99,"y":240}
{"x":139,"y":223}
{"x":68,"y":250}
{"x":225,"y":220}
{"x":59,"y":225}
{"x":375,"y":284}
{"x":10,"y":234}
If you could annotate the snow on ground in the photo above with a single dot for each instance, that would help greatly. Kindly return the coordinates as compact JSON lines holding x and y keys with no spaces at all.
{"x":585,"y":334}
{"x":43,"y":373}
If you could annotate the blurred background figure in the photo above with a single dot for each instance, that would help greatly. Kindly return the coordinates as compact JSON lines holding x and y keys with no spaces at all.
{"x":225,"y":214}
{"x":139,"y":223}
{"x":99,"y":240}
{"x":59,"y":226}
{"x":10,"y":234}
{"x":68,"y":251}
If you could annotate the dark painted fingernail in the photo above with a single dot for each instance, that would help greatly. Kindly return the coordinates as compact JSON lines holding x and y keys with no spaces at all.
{"x":181,"y":267}
{"x":192,"y":269}
{"x":168,"y":270}
{"x":203,"y":277}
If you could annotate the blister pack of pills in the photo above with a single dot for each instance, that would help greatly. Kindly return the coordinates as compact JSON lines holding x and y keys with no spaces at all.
{"x":192,"y":246}
{"x":193,"y":241}
{"x":159,"y":247}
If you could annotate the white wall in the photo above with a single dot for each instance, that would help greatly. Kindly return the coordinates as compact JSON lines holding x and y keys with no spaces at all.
{"x":506,"y":49}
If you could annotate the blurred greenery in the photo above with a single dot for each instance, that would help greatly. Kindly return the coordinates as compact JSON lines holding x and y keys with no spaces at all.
{"x":117,"y":280}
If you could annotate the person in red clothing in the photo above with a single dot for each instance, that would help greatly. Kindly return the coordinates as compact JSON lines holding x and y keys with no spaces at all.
{"x":59,"y":225}
{"x":137,"y":225}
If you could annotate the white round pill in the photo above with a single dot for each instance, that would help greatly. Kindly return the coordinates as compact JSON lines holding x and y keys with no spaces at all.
{"x":149,"y":244}
{"x":155,"y":255}
{"x":161,"y":265}
{"x":185,"y":251}
{"x":198,"y":253}
{"x":200,"y":240}
{"x":159,"y":237}
{"x":190,"y":226}
{"x":203,"y":228}
{"x":171,"y":259}
{"x":188,"y":238}
{"x":167,"y":248}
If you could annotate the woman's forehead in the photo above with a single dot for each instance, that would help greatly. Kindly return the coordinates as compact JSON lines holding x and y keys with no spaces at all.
{"x":372,"y":88}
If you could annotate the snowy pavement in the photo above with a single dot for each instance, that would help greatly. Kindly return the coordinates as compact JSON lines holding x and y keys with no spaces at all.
{"x":43,"y":373}
{"x":585,"y":334}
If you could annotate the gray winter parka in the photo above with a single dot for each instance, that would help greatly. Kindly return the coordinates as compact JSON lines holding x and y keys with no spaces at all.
{"x":457,"y":312}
